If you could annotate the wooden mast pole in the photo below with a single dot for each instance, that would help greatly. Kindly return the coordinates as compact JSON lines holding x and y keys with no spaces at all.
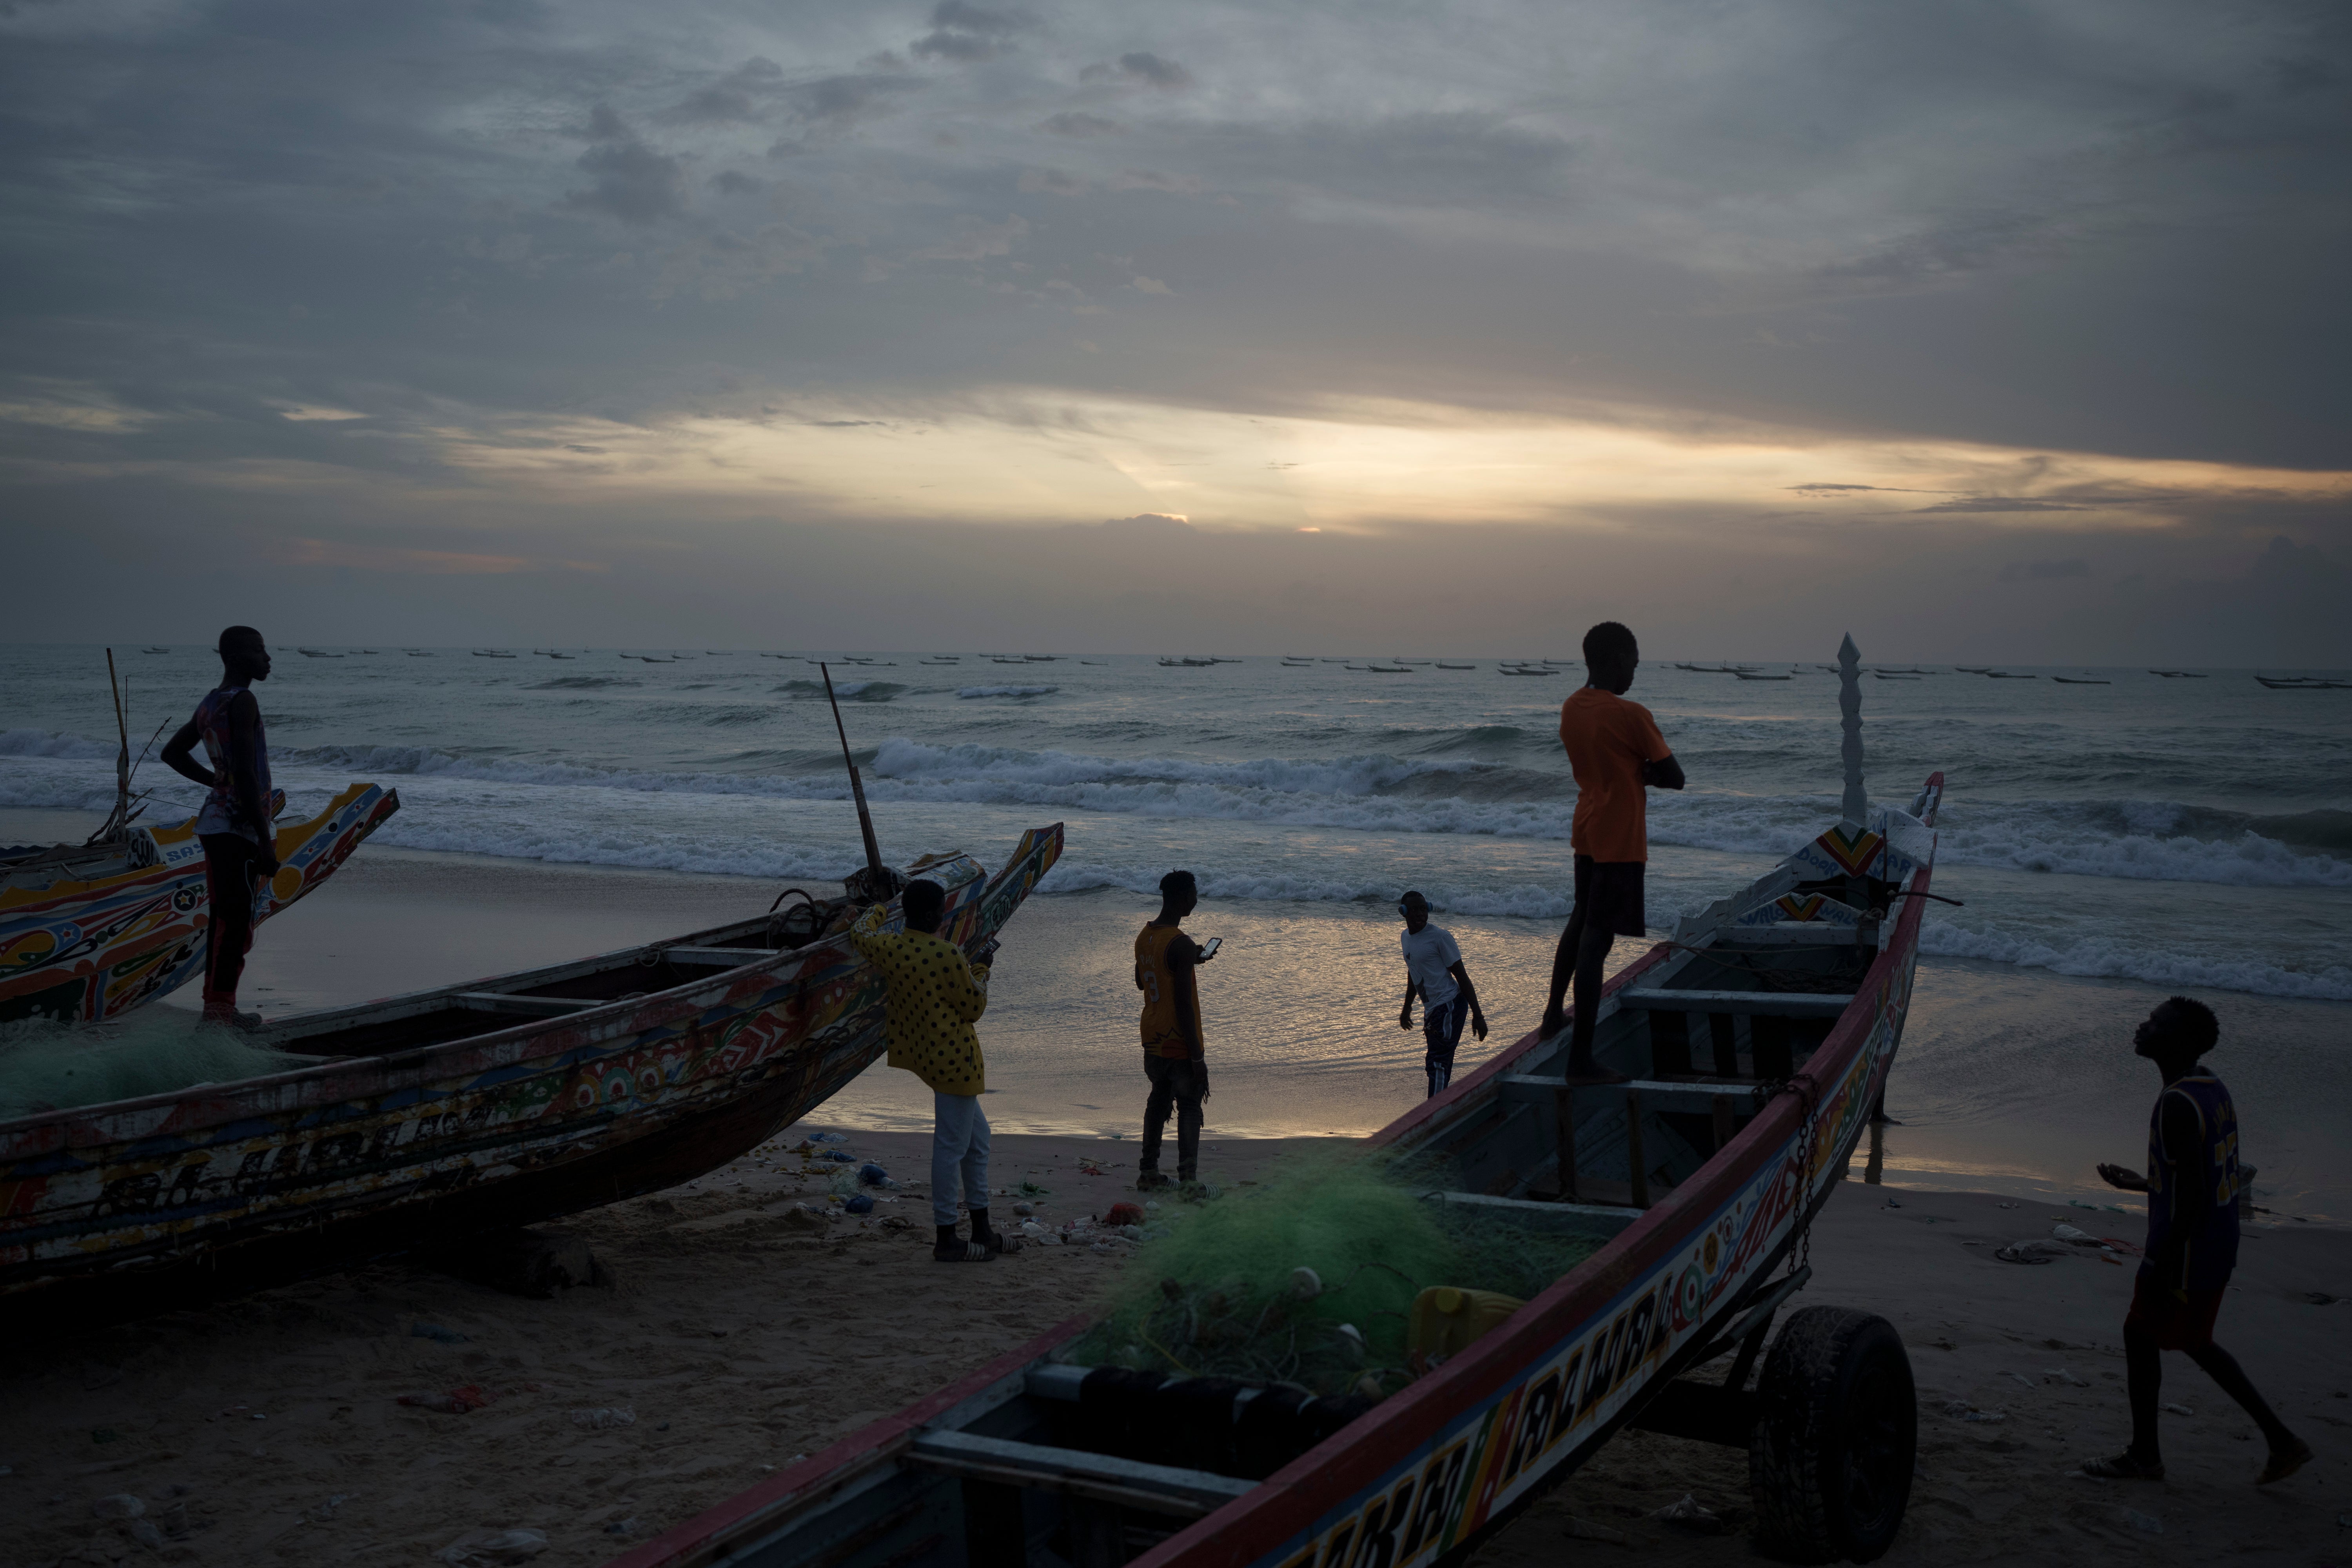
{"x":881,"y":879}
{"x":122,"y":757}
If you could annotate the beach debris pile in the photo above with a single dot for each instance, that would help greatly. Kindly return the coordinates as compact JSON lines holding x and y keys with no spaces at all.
{"x":2064,"y":1240}
{"x":1311,"y":1279}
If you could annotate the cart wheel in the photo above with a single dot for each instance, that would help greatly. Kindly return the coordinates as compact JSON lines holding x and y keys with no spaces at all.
{"x":1837,"y":1428}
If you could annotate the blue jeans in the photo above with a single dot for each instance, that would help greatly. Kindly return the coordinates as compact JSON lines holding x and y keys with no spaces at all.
{"x":958,"y":1141}
{"x":1175,"y":1086}
{"x":1441,"y":1031}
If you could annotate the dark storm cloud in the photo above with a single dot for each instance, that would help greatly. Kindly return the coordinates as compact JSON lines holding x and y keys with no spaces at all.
{"x":1078,"y":122}
{"x":965,"y":32}
{"x":1997,"y":503}
{"x":2045,"y":571}
{"x":633,"y":182}
{"x":1143,"y":66}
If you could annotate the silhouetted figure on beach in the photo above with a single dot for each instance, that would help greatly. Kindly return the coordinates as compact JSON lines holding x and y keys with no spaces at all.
{"x":240,"y":843}
{"x":1434,"y":972}
{"x":1167,"y":962}
{"x":934,"y":997}
{"x":2192,"y":1243}
{"x":1616,"y":751}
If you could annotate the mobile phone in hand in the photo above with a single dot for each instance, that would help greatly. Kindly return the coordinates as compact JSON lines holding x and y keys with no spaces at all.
{"x":1209,"y":948}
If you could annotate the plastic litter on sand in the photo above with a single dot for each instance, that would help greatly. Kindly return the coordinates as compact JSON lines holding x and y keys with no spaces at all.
{"x":480,"y":1548}
{"x":605,"y":1415}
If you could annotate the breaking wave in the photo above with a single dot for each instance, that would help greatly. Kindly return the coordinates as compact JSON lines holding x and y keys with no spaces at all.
{"x":2129,"y":957}
{"x":1380,"y":791}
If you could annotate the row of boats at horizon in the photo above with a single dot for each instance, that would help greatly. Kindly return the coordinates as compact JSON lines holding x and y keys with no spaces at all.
{"x":1395,"y":666}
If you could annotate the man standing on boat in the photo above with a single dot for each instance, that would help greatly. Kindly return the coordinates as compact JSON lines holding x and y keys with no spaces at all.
{"x":2192,"y":1243}
{"x":240,"y":845}
{"x":935,"y":995}
{"x":1167,"y":965}
{"x":1434,"y":972}
{"x":1616,"y":751}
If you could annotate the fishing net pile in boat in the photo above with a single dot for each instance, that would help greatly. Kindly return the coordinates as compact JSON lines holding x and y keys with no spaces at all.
{"x":1308,"y":1278}
{"x":47,"y":1066}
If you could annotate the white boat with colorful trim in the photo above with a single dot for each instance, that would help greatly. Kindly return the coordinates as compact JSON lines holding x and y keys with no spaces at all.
{"x":1757,"y":1043}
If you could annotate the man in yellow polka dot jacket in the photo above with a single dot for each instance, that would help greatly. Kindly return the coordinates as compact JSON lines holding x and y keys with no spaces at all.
{"x":935,"y":995}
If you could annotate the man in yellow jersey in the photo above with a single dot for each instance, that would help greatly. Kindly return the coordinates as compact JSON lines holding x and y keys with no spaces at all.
{"x":934,"y":997}
{"x":1166,"y":960}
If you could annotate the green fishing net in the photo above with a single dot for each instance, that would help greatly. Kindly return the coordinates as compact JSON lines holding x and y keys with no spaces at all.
{"x":1308,"y":1279}
{"x":47,"y":1066}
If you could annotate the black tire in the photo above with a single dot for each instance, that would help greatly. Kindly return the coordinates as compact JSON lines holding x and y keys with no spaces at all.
{"x":1837,"y":1432}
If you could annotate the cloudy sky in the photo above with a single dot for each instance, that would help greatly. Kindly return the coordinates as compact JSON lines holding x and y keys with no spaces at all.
{"x":1999,"y":329}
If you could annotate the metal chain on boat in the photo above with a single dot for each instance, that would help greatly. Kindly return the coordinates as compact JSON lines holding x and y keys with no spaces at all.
{"x":1809,"y":1095}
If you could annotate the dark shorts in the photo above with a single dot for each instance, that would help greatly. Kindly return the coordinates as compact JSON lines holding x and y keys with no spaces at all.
{"x":1609,"y":896}
{"x":1441,"y":1026}
{"x":2175,"y":1325}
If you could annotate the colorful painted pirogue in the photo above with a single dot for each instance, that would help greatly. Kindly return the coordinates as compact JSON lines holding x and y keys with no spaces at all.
{"x":1758,"y":1043}
{"x":90,"y":932}
{"x":472,"y":1108}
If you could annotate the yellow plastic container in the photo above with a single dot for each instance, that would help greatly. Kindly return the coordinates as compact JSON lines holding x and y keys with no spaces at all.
{"x":1446,"y":1321}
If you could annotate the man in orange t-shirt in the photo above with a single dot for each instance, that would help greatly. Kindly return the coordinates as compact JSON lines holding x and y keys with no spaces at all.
{"x":1616,"y":751}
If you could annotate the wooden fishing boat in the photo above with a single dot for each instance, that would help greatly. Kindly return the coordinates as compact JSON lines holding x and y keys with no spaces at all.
{"x":1758,"y":1041}
{"x":471,"y":1107}
{"x":89,"y":931}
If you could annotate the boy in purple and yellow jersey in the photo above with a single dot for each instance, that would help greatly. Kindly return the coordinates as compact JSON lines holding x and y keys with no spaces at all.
{"x":1166,"y":965}
{"x":2192,"y":1243}
{"x":1616,"y":751}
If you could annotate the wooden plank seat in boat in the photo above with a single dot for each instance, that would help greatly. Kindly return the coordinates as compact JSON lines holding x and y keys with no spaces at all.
{"x":534,"y":1007}
{"x":1129,"y":1483}
{"x":1771,"y":1003}
{"x":1679,"y":1094}
{"x":725,"y":957}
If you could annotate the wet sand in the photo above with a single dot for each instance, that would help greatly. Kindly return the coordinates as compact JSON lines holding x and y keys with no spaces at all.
{"x":736,"y":1336}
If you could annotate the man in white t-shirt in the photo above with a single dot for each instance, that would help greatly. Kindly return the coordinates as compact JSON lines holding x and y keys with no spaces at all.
{"x":1434,"y":972}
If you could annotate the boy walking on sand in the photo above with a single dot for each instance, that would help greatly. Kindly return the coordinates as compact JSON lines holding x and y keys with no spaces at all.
{"x":1167,"y":963}
{"x":2192,"y":1243}
{"x":1434,"y":973}
{"x":1616,"y":751}
{"x":934,"y":997}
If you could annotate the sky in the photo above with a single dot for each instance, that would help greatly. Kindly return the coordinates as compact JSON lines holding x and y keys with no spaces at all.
{"x":1994,"y":329}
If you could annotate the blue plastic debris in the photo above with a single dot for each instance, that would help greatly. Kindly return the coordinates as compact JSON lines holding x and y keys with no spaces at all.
{"x":861,"y":1204}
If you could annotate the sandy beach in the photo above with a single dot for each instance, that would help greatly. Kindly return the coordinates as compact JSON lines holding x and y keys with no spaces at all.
{"x":738,"y":1331}
{"x":736,"y":1334}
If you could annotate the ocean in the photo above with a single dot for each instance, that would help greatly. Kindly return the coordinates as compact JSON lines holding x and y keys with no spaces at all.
{"x":2190,"y":834}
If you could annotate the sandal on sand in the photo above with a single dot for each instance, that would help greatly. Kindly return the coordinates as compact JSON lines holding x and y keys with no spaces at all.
{"x":2284,"y":1462}
{"x":1000,"y":1242}
{"x":2123,"y":1467}
{"x":962,"y":1252}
